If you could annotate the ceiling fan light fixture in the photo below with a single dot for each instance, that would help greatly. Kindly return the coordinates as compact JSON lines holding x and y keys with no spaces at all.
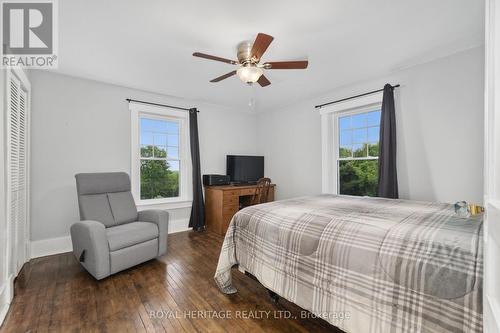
{"x":249,"y":73}
{"x":249,"y":69}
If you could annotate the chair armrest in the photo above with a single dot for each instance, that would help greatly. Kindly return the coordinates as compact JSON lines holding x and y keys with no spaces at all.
{"x":160,"y":217}
{"x":90,"y":246}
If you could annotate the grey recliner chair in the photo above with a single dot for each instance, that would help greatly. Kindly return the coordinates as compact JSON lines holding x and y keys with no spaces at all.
{"x":112,"y":235}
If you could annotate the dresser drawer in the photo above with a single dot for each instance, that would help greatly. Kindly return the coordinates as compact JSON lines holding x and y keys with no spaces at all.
{"x":232,"y":209}
{"x":231,"y":193}
{"x":247,"y":191}
{"x":223,"y":202}
{"x":231,"y":200}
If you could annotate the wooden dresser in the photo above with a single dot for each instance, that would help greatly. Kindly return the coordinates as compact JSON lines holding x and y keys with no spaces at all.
{"x":222,"y":202}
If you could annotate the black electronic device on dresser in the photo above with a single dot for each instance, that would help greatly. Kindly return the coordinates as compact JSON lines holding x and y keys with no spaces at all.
{"x":212,"y":180}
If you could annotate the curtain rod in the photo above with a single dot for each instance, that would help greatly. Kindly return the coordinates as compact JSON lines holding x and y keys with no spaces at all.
{"x":157,"y":104}
{"x":352,"y":97}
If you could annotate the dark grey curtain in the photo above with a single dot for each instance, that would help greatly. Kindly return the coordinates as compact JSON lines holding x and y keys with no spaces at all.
{"x":387,"y":173}
{"x":197,"y":219}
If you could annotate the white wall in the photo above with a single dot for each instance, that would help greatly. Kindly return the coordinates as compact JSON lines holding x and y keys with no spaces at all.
{"x":439,"y":131}
{"x":84,"y":126}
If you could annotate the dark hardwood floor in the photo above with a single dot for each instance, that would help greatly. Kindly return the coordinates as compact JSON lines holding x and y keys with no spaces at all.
{"x":176,"y":293}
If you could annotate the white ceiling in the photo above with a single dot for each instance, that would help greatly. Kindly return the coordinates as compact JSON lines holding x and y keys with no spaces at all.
{"x":148,"y":44}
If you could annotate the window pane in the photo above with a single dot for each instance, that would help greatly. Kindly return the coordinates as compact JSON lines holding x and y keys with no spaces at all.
{"x":358,"y":177}
{"x":172,"y":127}
{"x":359,"y":135}
{"x":373,"y":118}
{"x":160,"y":152}
{"x":358,"y":120}
{"x":153,"y":125}
{"x":146,"y":151}
{"x":345,"y":138}
{"x":173,"y":152}
{"x":345,"y":123}
{"x":160,"y":139}
{"x":345,"y":151}
{"x":159,"y":126}
{"x":173,"y":140}
{"x":373,"y":149}
{"x":174,"y":165}
{"x":146,"y":138}
{"x":373,"y":134}
{"x":359,"y":150}
{"x":159,"y":179}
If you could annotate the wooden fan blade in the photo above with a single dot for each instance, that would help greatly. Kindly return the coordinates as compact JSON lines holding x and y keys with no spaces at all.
{"x":286,"y":64}
{"x":260,"y":45}
{"x":263,"y":81}
{"x":211,"y":57}
{"x":222,"y":77}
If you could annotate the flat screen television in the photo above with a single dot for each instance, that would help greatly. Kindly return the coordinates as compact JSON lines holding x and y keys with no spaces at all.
{"x":244,"y":169}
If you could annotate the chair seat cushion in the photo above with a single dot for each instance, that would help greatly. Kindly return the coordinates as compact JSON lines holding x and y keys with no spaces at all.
{"x":125,"y":235}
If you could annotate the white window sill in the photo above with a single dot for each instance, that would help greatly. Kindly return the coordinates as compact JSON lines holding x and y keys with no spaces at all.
{"x":165,"y":205}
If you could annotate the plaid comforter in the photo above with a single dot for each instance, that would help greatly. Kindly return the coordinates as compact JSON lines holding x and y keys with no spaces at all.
{"x":363,"y":264}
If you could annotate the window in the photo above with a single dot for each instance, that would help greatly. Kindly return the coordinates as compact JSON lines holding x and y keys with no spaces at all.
{"x":160,"y":162}
{"x":160,"y":158}
{"x":357,"y":153}
{"x":350,"y":147}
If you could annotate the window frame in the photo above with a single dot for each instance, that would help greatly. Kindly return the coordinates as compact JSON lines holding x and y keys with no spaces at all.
{"x":138,"y":111}
{"x":330,"y":136}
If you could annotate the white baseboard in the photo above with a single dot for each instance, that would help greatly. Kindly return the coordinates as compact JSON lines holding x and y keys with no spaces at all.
{"x":51,"y":246}
{"x":491,"y":315}
{"x":180,"y":230}
{"x":4,"y":303}
{"x":178,"y":225}
{"x":48,"y":247}
{"x":6,"y":295}
{"x":4,"y":308}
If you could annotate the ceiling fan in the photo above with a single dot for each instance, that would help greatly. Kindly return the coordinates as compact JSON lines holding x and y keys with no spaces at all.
{"x":249,"y":55}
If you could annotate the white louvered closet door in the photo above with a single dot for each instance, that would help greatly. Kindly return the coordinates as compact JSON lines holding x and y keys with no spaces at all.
{"x":17,"y":169}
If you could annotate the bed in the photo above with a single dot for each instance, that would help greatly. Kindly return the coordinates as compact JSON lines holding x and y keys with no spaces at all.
{"x":363,"y":264}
